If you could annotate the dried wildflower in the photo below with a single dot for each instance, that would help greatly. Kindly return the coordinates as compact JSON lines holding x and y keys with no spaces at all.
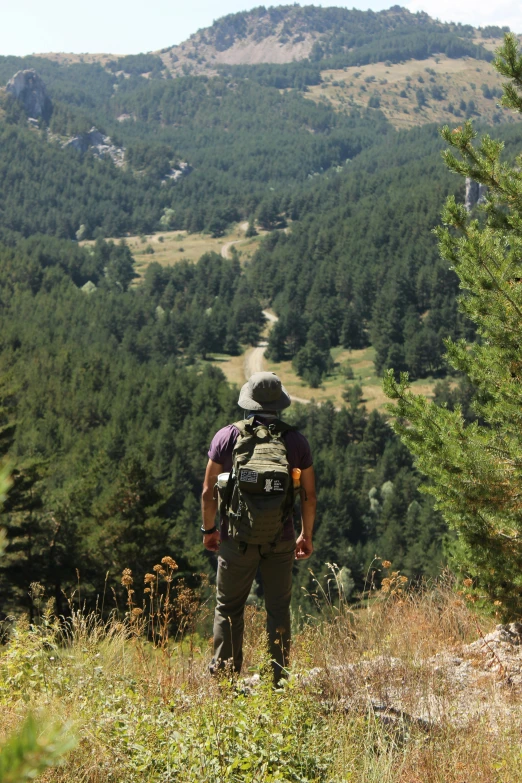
{"x":403,"y":579}
{"x":147,"y":590}
{"x":36,"y":590}
{"x":168,"y":561}
{"x":157,"y":568}
{"x":137,"y":611}
{"x":468,"y":582}
{"x":149,"y":578}
{"x":386,"y":563}
{"x":126,"y":578}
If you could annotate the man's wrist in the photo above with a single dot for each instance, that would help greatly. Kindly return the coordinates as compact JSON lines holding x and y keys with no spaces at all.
{"x":209,"y":531}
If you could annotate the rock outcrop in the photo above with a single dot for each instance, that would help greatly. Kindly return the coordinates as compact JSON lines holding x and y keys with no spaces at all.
{"x":101,"y":146}
{"x":475,"y":194}
{"x":182,"y":169}
{"x":28,"y":88}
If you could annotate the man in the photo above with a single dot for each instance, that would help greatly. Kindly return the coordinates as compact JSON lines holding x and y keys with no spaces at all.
{"x":262,"y":398}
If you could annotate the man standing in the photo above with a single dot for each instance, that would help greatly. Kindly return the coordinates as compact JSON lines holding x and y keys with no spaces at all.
{"x":241,"y":551}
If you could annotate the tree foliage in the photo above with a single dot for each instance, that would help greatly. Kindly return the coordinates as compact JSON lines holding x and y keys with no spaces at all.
{"x":474,"y":466}
{"x":107,"y":410}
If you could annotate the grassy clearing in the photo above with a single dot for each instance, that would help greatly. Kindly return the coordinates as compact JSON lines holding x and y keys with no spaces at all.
{"x":232,"y":366}
{"x":396,"y":85}
{"x":367,"y":699}
{"x":358,"y":363}
{"x":171,"y":247}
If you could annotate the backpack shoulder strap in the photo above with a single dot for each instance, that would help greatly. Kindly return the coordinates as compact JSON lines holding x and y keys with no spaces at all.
{"x":281,"y":426}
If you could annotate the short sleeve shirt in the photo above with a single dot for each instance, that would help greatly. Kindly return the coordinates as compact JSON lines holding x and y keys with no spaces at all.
{"x":298,"y":451}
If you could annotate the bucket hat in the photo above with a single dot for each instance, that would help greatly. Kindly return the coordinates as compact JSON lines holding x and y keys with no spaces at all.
{"x":263,"y":391}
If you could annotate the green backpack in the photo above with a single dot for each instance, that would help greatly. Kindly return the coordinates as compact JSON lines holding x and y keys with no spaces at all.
{"x":259,"y":495}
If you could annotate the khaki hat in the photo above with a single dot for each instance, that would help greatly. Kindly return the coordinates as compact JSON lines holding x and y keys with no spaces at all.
{"x":263,"y":391}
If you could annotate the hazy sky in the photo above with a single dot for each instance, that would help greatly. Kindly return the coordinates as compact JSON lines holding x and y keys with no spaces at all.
{"x":132,"y":26}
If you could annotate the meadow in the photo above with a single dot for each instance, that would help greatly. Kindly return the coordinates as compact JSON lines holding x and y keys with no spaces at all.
{"x":448,"y":86}
{"x":171,"y":247}
{"x":405,"y":687}
{"x":351,"y":368}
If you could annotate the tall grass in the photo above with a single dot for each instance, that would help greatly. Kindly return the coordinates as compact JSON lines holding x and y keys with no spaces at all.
{"x":372,"y":696}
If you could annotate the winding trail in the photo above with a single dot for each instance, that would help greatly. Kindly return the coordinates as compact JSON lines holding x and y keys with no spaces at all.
{"x":254,"y":359}
{"x":225,"y":250}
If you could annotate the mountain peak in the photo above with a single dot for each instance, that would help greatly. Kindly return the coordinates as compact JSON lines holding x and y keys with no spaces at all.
{"x":288,"y":33}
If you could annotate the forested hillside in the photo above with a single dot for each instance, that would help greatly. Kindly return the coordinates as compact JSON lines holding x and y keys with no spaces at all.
{"x":363,"y":265}
{"x":107,"y":424}
{"x":246,"y":144}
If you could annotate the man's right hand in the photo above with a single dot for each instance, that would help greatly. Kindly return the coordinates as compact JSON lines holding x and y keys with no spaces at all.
{"x":303,"y":548}
{"x":212,"y":541}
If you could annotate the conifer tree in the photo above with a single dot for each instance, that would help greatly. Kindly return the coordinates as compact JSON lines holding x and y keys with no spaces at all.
{"x":475,"y":468}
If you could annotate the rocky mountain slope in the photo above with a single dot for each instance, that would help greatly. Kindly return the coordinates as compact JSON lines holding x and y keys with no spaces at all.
{"x":414,"y":68}
{"x":291,"y":33}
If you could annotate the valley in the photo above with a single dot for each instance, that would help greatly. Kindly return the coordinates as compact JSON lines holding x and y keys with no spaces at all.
{"x":273,"y":193}
{"x":350,"y":368}
{"x":284,"y":161}
{"x":171,"y":247}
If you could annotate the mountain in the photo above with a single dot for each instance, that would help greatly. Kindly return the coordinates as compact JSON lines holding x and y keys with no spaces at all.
{"x":339,"y":36}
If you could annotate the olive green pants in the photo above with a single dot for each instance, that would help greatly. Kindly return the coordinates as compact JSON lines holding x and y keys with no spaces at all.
{"x":237,"y":567}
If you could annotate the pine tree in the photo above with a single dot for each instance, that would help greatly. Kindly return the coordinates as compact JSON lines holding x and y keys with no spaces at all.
{"x":475,"y":468}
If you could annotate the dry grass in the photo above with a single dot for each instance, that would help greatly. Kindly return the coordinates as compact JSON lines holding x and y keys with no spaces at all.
{"x":171,"y":247}
{"x":459,"y":79}
{"x":334,"y":385}
{"x":232,"y":366}
{"x":376,"y":694}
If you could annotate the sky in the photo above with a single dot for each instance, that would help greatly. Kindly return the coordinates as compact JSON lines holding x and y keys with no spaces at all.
{"x":133,"y":26}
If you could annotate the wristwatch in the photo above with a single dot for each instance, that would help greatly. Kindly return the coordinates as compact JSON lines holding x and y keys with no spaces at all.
{"x":209,"y":531}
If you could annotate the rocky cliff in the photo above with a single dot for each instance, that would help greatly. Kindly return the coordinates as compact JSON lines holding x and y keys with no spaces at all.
{"x":100,"y":145}
{"x":28,"y":88}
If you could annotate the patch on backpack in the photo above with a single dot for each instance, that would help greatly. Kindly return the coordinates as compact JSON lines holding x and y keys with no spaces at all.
{"x":273,"y":485}
{"x":249,"y":476}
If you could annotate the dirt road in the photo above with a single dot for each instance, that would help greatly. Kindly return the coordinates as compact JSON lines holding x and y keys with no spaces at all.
{"x":225,"y":250}
{"x":254,"y":359}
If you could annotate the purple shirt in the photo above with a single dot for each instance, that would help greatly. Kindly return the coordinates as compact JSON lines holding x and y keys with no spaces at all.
{"x":297,"y":448}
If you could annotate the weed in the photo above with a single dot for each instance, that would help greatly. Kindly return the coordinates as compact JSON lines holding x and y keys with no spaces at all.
{"x":375,"y":694}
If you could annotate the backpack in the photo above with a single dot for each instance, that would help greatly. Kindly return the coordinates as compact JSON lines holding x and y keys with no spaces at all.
{"x":259,"y":495}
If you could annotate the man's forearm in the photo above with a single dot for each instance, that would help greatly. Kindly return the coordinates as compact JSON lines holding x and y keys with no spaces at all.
{"x":308,"y":506}
{"x":208,"y":512}
{"x":209,"y":503}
